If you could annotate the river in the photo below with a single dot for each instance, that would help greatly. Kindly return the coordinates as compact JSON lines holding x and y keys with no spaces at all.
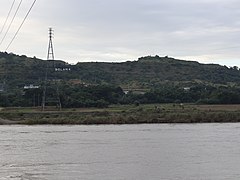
{"x":125,"y":152}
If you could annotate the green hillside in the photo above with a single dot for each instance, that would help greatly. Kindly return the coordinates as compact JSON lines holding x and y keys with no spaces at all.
{"x":152,"y":71}
{"x":98,"y":84}
{"x":146,"y":72}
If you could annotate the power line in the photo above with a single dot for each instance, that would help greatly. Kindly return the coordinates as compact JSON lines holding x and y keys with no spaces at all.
{"x":7,"y":16}
{"x":21,"y":25}
{"x":9,"y":26}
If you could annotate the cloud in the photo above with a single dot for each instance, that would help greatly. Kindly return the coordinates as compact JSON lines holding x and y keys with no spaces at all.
{"x":114,"y":30}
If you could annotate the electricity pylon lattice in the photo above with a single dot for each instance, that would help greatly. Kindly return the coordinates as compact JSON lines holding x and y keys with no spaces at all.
{"x":50,"y":55}
{"x":53,"y":92}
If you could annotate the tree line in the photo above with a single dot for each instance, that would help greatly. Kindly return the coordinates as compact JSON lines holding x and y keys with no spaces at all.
{"x":78,"y":96}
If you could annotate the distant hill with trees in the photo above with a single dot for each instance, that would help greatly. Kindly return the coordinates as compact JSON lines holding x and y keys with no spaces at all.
{"x":162,"y":79}
{"x":146,"y":72}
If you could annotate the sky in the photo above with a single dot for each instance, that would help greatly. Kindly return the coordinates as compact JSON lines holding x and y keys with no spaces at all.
{"x":207,"y":31}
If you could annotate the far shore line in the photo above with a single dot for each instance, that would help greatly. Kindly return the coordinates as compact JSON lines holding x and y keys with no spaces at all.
{"x":123,"y":114}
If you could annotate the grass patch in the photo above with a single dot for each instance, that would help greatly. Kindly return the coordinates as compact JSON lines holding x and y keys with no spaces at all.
{"x":126,"y":114}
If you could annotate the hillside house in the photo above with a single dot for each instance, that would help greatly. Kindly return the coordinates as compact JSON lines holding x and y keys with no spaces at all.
{"x":31,"y":86}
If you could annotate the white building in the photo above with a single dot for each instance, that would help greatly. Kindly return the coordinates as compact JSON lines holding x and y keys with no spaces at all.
{"x":31,"y":86}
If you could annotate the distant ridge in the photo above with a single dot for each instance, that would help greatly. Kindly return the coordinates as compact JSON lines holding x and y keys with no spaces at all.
{"x":146,"y":72}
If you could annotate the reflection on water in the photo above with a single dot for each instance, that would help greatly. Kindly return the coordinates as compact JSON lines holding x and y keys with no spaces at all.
{"x":127,"y":152}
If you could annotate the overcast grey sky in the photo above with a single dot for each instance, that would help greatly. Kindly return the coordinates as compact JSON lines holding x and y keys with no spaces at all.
{"x":118,"y":30}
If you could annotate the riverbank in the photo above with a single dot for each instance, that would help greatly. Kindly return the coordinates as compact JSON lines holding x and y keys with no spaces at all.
{"x":124,"y":114}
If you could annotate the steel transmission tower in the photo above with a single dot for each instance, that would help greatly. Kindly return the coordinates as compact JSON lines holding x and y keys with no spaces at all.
{"x":51,"y":63}
{"x":50,"y":55}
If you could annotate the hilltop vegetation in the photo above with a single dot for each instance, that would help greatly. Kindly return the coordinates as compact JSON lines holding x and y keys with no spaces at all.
{"x":146,"y":72}
{"x":159,"y":79}
{"x":153,"y":71}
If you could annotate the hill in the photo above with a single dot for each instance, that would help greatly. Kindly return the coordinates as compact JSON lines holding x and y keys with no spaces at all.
{"x":98,"y":84}
{"x":147,"y":72}
{"x":152,"y":71}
